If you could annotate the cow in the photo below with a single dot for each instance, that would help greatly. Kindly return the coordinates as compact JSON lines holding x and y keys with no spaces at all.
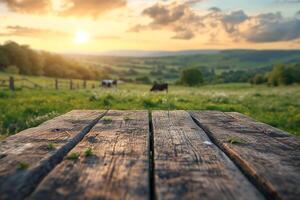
{"x":159,"y":87}
{"x":109,"y":83}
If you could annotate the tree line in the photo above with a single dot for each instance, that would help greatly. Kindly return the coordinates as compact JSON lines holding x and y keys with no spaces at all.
{"x":21,"y":59}
{"x":283,"y":74}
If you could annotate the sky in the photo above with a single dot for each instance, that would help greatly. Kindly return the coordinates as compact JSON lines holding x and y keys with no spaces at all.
{"x":91,"y":26}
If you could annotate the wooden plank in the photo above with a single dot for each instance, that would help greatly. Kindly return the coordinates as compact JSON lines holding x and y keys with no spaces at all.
{"x":267,"y":155}
{"x":189,"y":166}
{"x":28,"y":156}
{"x":118,"y":168}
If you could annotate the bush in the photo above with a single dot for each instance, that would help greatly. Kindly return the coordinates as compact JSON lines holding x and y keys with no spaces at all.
{"x":191,"y":77}
{"x":258,"y":79}
{"x":12,"y":69}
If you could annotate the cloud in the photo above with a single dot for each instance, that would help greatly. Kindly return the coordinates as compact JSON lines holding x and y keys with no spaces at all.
{"x":137,"y":28}
{"x":106,"y":37}
{"x":77,"y":8}
{"x":185,"y":35}
{"x":297,"y":15}
{"x":22,"y":31}
{"x":215,"y":9}
{"x":232,"y":19}
{"x":192,"y":2}
{"x":163,"y":15}
{"x":32,"y":32}
{"x":271,"y":27}
{"x":287,"y":1}
{"x":28,"y":6}
{"x":92,"y":8}
{"x":187,"y":23}
{"x":178,"y":18}
{"x":235,"y":17}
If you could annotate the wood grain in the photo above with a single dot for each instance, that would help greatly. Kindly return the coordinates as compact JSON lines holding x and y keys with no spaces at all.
{"x":29,"y":155}
{"x":189,"y":166}
{"x":270,"y":157}
{"x":118,"y":168}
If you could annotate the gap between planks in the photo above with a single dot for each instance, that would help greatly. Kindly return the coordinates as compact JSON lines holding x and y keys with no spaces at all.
{"x":152,"y":195}
{"x":187,"y":167}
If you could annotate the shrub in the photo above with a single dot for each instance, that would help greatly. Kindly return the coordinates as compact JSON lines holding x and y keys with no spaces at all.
{"x":12,"y":69}
{"x":191,"y":77}
{"x":258,"y":79}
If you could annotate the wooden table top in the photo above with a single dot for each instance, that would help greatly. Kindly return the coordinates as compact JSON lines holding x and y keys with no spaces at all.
{"x":94,"y":154}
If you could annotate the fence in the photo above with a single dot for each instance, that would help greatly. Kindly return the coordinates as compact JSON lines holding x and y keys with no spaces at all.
{"x":57,"y":84}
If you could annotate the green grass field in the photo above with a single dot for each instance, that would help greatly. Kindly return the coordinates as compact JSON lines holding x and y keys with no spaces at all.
{"x":279,"y":107}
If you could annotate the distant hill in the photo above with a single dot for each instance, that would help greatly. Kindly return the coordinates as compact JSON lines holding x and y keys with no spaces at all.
{"x":257,"y":55}
{"x":167,"y":65}
{"x":137,"y":53}
{"x":263,"y":55}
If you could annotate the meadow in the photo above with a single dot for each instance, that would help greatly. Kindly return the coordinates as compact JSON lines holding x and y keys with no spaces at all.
{"x":277,"y":106}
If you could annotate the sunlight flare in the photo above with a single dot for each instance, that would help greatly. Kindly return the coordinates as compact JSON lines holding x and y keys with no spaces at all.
{"x":81,"y":37}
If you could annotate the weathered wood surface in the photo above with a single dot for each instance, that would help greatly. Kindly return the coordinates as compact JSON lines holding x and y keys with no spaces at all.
{"x":40,"y":149}
{"x":270,"y":157}
{"x":188,"y":160}
{"x":189,"y":166}
{"x":118,"y":168}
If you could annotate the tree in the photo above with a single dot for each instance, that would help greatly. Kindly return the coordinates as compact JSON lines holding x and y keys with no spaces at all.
{"x":294,"y":71}
{"x":4,"y":61}
{"x":191,"y":77}
{"x":280,"y":75}
{"x":31,"y":62}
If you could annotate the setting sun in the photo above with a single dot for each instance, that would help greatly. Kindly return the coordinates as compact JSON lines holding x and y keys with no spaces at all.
{"x":81,"y":37}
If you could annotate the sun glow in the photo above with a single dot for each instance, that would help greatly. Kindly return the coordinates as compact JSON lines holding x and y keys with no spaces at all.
{"x":81,"y":37}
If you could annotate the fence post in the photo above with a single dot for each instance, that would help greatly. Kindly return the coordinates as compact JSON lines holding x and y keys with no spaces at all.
{"x":84,"y":84}
{"x":56,"y":84}
{"x":11,"y":83}
{"x":71,"y":84}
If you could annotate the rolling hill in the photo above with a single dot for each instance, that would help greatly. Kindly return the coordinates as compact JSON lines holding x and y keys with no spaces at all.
{"x":167,"y":65}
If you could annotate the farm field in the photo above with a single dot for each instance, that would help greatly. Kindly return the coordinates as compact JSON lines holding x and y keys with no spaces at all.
{"x":277,"y":106}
